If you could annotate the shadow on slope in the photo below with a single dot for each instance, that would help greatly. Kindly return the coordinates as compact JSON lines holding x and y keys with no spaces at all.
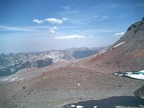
{"x":130,"y":101}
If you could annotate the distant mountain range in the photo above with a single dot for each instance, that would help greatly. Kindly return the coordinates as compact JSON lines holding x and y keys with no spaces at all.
{"x":12,"y":63}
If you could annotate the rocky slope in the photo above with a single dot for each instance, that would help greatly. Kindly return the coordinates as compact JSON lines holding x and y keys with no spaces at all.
{"x":81,"y":81}
{"x":140,"y":92}
{"x":127,"y":54}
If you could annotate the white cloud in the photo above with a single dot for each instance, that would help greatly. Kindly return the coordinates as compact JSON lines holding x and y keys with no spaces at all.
{"x":70,"y":37}
{"x":64,"y":19}
{"x":38,"y":21}
{"x":119,"y":33}
{"x":51,"y":20}
{"x":53,"y":30}
{"x":54,"y":20}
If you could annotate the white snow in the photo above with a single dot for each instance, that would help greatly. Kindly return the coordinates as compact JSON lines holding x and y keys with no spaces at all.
{"x":142,"y":71}
{"x":136,"y":76}
{"x":79,"y":106}
{"x":102,"y":52}
{"x":119,"y":44}
{"x":72,"y":106}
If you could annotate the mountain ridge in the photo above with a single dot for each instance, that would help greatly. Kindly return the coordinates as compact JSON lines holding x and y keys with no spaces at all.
{"x":126,"y":54}
{"x":12,"y":63}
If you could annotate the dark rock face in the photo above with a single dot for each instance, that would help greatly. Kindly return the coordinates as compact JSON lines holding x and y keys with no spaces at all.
{"x":82,"y":54}
{"x":43,"y":63}
{"x":112,"y":102}
{"x":140,"y":92}
{"x":11,"y":63}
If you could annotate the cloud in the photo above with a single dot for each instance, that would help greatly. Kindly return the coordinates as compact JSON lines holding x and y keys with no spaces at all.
{"x":70,"y":37}
{"x":53,"y":30}
{"x":119,"y":33}
{"x":64,"y":19}
{"x":54,"y":20}
{"x":50,"y":20}
{"x":38,"y":21}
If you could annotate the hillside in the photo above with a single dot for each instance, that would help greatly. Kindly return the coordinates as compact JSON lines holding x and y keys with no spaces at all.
{"x":88,"y":82}
{"x":127,"y":54}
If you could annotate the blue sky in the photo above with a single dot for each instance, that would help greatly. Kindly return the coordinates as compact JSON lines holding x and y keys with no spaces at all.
{"x":41,"y":25}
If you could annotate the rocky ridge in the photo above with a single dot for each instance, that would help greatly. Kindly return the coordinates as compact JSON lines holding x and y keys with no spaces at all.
{"x":127,"y":54}
{"x":12,"y":63}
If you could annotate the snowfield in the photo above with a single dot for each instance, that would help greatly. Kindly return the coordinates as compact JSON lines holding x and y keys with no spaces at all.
{"x":136,"y":75}
{"x":119,"y":44}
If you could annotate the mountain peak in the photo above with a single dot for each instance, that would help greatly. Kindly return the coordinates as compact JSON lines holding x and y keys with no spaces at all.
{"x":127,"y":53}
{"x":143,"y":19}
{"x":137,"y":26}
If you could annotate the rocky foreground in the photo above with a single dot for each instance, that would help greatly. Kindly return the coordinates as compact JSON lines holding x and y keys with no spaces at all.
{"x":60,"y":84}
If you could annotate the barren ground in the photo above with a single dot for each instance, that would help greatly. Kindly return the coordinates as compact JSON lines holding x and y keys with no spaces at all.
{"x":62,"y":83}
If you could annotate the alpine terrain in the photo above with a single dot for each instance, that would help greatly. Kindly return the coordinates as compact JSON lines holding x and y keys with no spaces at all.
{"x":12,"y":63}
{"x":77,"y":83}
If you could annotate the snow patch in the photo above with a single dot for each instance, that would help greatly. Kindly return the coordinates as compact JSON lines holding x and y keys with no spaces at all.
{"x":79,"y":106}
{"x":135,"y":75}
{"x":72,"y":106}
{"x":141,"y":72}
{"x":119,"y":44}
{"x":102,"y":52}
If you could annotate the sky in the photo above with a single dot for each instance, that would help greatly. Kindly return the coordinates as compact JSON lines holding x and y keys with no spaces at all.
{"x":42,"y":25}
